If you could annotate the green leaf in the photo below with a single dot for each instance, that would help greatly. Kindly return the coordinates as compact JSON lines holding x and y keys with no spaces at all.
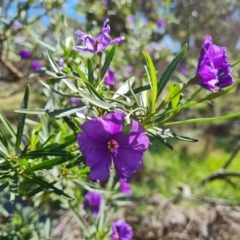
{"x":167,"y":133}
{"x":202,"y":120}
{"x":32,"y":111}
{"x":170,"y":69}
{"x":71,"y":124}
{"x":75,"y":162}
{"x":124,"y":87}
{"x":48,"y":186}
{"x":64,"y":112}
{"x":21,"y":120}
{"x":156,"y":135}
{"x":152,"y":76}
{"x":46,"y":153}
{"x":90,"y":71}
{"x":109,"y":57}
{"x":3,"y":186}
{"x":47,"y":164}
{"x":13,"y":183}
{"x":7,"y":124}
{"x":54,"y":65}
{"x":3,"y":140}
{"x":67,"y":142}
{"x":34,"y":137}
{"x":139,"y":89}
{"x":80,"y":72}
{"x":67,"y":70}
{"x":174,"y":89}
{"x":91,"y":100}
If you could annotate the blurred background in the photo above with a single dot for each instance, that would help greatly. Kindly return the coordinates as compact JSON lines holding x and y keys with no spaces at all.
{"x":28,"y":28}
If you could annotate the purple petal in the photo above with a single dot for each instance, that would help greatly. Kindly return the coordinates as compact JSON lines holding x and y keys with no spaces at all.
{"x":110,"y":77}
{"x":106,"y":21}
{"x":91,"y":148}
{"x":92,"y":202}
{"x":100,"y":171}
{"x":117,"y":40}
{"x":104,"y":39}
{"x":25,"y":54}
{"x":80,"y":48}
{"x":213,"y":72}
{"x":127,"y":162}
{"x":121,"y":231}
{"x":125,"y":187}
{"x":36,"y":65}
{"x":80,"y":35}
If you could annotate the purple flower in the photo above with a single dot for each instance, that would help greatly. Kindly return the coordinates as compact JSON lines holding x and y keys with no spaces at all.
{"x":213,"y":71}
{"x":36,"y":65}
{"x":128,"y":69}
{"x":110,"y":77}
{"x":61,"y":62}
{"x":74,"y":101}
{"x":91,"y":202}
{"x":105,"y":2}
{"x":183,"y":70}
{"x":125,"y":187}
{"x":96,"y":45}
{"x":25,"y":54}
{"x":145,"y":22}
{"x":161,"y":23}
{"x":121,"y":231}
{"x":103,"y":141}
{"x":131,"y":19}
{"x":16,"y":26}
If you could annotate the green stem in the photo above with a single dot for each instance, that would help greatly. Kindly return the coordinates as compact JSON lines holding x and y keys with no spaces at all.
{"x":170,"y":98}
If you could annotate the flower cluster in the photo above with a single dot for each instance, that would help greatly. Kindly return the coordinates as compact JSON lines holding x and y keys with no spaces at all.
{"x":103,"y":141}
{"x":99,"y":44}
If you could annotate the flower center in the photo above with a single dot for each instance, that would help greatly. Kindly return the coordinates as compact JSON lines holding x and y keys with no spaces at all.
{"x":96,"y":45}
{"x":112,"y":146}
{"x":116,"y":236}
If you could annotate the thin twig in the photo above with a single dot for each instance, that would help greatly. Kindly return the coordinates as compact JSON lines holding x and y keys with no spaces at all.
{"x":237,"y":148}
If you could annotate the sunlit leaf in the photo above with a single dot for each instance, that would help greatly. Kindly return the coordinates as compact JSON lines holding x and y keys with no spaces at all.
{"x":170,"y":69}
{"x":21,"y":120}
{"x":108,"y":59}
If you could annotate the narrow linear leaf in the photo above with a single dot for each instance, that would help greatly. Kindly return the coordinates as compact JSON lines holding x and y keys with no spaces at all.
{"x":7,"y":124}
{"x":90,"y":71}
{"x":152,"y":133}
{"x":202,"y":120}
{"x":109,"y":57}
{"x":49,"y":186}
{"x":170,"y":69}
{"x":34,"y":137}
{"x":64,"y":112}
{"x":93,"y":101}
{"x":54,"y":65}
{"x":32,"y":111}
{"x":21,"y":119}
{"x":81,"y":74}
{"x":3,"y":140}
{"x":71,"y":124}
{"x":47,"y":164}
{"x":151,"y":73}
{"x":3,"y":186}
{"x":46,"y":152}
{"x":124,"y":88}
{"x":13,"y":183}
